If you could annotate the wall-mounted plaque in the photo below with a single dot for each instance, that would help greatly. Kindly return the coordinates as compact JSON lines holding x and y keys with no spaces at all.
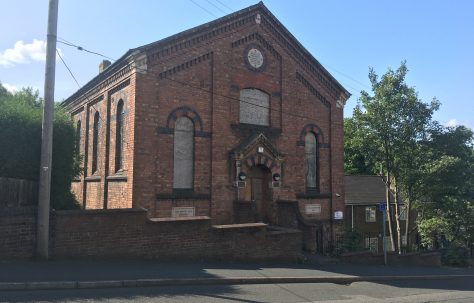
{"x":255,"y":58}
{"x":178,"y":212}
{"x":312,"y":209}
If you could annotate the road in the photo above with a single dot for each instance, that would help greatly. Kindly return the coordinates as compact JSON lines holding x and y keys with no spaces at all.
{"x":457,"y":290}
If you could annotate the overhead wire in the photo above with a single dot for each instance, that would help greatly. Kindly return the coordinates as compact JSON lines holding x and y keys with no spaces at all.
{"x":203,"y":8}
{"x":187,"y":84}
{"x":218,"y":8}
{"x":224,"y":5}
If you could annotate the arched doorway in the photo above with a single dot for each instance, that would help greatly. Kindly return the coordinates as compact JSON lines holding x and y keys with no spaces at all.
{"x":259,"y":192}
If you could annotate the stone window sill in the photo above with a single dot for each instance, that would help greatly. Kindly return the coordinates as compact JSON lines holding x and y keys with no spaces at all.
{"x":117,"y":177}
{"x":93,"y":178}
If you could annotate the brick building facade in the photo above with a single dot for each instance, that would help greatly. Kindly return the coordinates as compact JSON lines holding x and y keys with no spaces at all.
{"x":229,"y":120}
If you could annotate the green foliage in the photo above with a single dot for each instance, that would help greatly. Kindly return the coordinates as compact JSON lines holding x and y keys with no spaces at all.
{"x":447,"y":182}
{"x":352,"y":241}
{"x":20,"y":134}
{"x":359,"y":156}
{"x":454,"y":255}
{"x":431,"y":167}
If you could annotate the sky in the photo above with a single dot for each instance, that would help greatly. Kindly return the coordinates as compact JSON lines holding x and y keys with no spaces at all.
{"x":435,"y":37}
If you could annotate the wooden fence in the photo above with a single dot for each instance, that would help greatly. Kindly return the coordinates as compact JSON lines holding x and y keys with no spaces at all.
{"x":17,"y":192}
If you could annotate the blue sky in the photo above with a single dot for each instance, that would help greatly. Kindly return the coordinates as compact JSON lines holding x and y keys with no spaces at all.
{"x":435,"y":37}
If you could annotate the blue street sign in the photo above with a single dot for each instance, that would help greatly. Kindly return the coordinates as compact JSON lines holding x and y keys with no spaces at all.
{"x":382,"y":206}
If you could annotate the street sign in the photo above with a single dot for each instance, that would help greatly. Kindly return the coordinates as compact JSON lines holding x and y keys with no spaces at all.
{"x":382,"y":206}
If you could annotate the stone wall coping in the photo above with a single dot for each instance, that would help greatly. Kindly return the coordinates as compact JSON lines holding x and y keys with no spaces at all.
{"x":242,"y":202}
{"x":180,"y":219}
{"x":243,"y":225}
{"x":94,"y":212}
{"x":287,"y":201}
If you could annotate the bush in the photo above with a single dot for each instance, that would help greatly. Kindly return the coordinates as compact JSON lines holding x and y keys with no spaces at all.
{"x":20,"y":149}
{"x":351,"y":241}
{"x":454,"y":255}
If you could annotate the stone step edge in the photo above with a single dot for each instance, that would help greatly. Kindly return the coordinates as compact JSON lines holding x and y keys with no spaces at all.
{"x":51,"y":285}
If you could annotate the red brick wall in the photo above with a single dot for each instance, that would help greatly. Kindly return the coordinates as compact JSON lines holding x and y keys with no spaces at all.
{"x":17,"y":232}
{"x":90,"y":188}
{"x":206,"y":78}
{"x":128,"y":233}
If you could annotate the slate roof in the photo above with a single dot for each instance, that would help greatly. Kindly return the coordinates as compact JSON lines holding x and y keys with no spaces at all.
{"x":196,"y":30}
{"x":365,"y":190}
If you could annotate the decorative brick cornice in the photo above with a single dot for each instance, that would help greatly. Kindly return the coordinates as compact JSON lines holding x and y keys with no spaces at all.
{"x":198,"y":38}
{"x":261,"y":40}
{"x":297,"y":51}
{"x":119,"y":87}
{"x":102,"y":81}
{"x":185,"y":65}
{"x":313,"y":90}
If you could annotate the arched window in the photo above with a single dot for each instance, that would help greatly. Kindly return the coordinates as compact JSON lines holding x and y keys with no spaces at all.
{"x":95,"y":142}
{"x":119,"y":137}
{"x":78,"y":137}
{"x":311,"y":161}
{"x":254,"y":107}
{"x":183,"y":154}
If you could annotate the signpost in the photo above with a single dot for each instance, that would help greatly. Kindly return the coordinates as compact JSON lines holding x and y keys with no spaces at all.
{"x":382,"y":208}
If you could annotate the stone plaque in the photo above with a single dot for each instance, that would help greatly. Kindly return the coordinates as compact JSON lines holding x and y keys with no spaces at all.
{"x":254,"y":107}
{"x":255,"y":58}
{"x":313,"y":209}
{"x":178,"y":212}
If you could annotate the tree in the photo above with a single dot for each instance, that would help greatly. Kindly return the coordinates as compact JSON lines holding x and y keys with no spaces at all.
{"x":359,"y":157}
{"x":392,"y":121}
{"x":20,"y":137}
{"x":447,"y":188}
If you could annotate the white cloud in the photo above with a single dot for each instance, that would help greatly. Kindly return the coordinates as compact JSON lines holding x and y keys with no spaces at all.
{"x":10,"y":88}
{"x":23,"y":53}
{"x":455,"y":122}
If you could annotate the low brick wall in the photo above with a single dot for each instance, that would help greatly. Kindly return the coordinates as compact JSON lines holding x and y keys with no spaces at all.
{"x":410,"y":259}
{"x":129,"y":233}
{"x":17,"y":232}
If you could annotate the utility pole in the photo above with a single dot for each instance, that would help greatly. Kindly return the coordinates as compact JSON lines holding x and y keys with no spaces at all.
{"x":42,"y":238}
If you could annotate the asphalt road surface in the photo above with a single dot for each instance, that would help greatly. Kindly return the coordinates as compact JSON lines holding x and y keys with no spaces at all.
{"x":457,"y":290}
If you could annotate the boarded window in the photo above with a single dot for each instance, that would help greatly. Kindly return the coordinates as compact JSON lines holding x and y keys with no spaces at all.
{"x":78,"y":136}
{"x":311,"y":161}
{"x":95,"y":142}
{"x":183,"y":154}
{"x":254,"y":107}
{"x":370,"y":214}
{"x":119,"y":137}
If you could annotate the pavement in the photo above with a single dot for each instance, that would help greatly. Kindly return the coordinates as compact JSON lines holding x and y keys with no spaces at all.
{"x":81,"y":274}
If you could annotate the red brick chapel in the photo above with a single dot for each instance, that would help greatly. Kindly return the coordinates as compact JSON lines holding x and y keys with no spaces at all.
{"x":234,"y":120}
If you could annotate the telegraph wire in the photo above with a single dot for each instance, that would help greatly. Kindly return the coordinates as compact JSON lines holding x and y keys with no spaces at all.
{"x":223,"y":4}
{"x":155,"y":76}
{"x":148,"y":73}
{"x":89,"y":100}
{"x":203,"y":8}
{"x":217,"y":7}
{"x":70,"y":72}
{"x":82,"y":49}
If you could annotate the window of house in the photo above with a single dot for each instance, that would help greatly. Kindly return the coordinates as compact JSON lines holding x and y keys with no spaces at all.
{"x":311,"y":161}
{"x":183,"y":154}
{"x":372,"y":243}
{"x":78,"y":136}
{"x":254,"y":107}
{"x":403,"y":212}
{"x":404,"y":240}
{"x":370,"y":214}
{"x":119,"y":137}
{"x":95,"y":142}
{"x":388,"y":243}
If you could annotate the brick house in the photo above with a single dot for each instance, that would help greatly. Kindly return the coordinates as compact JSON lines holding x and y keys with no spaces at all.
{"x":363,"y":194}
{"x":233,"y":119}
